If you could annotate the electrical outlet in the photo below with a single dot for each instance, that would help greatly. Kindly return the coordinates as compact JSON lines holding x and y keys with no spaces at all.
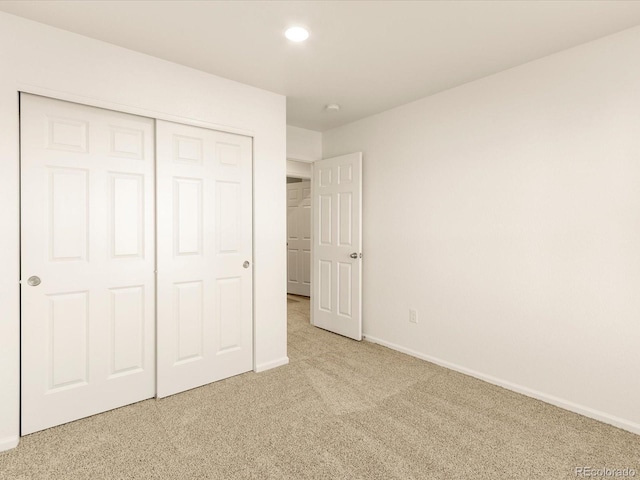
{"x":413,"y":316}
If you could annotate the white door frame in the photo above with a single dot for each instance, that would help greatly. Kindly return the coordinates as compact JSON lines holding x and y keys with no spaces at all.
{"x":155,"y":115}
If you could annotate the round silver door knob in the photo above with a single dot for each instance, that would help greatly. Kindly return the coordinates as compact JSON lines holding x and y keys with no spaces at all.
{"x":354,"y":255}
{"x":246,"y":264}
{"x":34,"y":281}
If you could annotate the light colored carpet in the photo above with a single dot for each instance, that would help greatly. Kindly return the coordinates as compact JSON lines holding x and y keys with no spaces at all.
{"x":340,"y":410}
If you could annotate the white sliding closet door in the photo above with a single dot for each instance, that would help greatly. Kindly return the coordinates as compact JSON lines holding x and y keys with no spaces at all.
{"x":87,"y":233}
{"x":204,"y":215}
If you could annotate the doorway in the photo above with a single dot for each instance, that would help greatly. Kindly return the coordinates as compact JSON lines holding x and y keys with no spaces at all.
{"x":299,"y":236}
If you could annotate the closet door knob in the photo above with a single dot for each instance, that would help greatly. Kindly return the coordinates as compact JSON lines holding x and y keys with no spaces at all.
{"x":34,"y":281}
{"x":246,"y":264}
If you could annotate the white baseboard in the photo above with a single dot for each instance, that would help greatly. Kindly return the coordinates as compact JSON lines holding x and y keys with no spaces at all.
{"x":8,"y":443}
{"x":273,"y":364}
{"x":558,"y":402}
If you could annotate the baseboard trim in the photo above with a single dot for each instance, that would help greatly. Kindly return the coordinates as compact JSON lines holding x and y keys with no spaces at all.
{"x":558,"y":402}
{"x":273,"y":364}
{"x":8,"y":443}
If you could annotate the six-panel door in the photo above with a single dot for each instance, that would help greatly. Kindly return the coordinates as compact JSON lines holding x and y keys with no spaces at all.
{"x":87,"y":234}
{"x":204,"y":215}
{"x":299,"y":238}
{"x":337,"y":245}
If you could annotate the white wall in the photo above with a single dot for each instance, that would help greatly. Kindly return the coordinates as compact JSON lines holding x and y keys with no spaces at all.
{"x":303,"y":147}
{"x":298,"y":169}
{"x":44,"y":60}
{"x":303,"y":144}
{"x":507,"y":212}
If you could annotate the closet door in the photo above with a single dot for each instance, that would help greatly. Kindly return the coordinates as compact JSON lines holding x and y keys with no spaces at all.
{"x":87,"y":234}
{"x":299,"y":238}
{"x":204,"y":215}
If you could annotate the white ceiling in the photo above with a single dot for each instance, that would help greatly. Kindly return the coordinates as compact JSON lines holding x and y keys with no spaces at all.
{"x":366,"y":56}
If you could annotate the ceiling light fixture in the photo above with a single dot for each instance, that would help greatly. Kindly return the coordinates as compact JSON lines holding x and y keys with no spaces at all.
{"x":332,"y":107}
{"x":296,"y":34}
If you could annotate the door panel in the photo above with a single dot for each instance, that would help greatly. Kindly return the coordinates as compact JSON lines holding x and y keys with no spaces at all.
{"x":126,"y":214}
{"x":299,"y":238}
{"x":189,"y":321}
{"x":87,"y":231}
{"x":204,"y":214}
{"x":126,"y":312}
{"x":337,"y":264}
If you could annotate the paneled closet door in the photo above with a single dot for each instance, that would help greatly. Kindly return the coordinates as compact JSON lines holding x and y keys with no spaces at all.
{"x":87,"y":234}
{"x":204,"y":215}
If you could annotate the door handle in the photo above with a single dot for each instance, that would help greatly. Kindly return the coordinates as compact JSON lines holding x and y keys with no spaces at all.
{"x":246,"y":264}
{"x":34,"y":281}
{"x":354,"y":255}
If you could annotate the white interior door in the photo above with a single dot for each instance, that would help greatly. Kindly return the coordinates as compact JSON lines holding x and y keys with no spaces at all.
{"x":299,"y":238}
{"x":204,"y":215}
{"x":87,"y":234}
{"x":337,"y":245}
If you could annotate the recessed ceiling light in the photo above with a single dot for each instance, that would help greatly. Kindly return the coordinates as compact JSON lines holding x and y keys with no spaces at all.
{"x":332,"y":107}
{"x":296,"y":34}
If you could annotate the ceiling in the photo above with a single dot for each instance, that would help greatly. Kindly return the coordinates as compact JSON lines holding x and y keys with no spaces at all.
{"x":367,"y":56}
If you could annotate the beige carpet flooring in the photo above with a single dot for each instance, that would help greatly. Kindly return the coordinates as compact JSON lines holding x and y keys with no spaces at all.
{"x":340,"y":410}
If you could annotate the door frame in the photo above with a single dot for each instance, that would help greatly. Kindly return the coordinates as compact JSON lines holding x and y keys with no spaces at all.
{"x":154,"y":115}
{"x":309,"y":177}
